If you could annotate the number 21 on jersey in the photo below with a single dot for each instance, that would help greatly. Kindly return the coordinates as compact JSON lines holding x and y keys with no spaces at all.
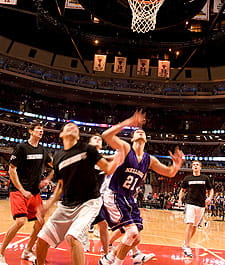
{"x":130,"y":182}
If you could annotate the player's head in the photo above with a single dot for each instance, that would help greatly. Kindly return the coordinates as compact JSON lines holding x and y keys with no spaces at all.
{"x":36,"y":130}
{"x":138,"y":135}
{"x":196,"y":166}
{"x":96,"y":140}
{"x":71,"y":130}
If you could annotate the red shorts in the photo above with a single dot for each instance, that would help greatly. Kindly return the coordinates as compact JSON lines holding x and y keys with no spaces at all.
{"x":22,"y":207}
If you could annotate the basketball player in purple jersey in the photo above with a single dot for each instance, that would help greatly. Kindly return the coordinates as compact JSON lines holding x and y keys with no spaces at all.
{"x":121,"y":209}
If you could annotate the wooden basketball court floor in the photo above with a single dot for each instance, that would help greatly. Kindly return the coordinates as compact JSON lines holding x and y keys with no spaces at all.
{"x":163,"y":235}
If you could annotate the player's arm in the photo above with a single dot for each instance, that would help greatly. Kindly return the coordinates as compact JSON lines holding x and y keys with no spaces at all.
{"x":137,"y":119}
{"x":42,"y":210}
{"x":210,"y":196}
{"x":110,"y":166}
{"x":45,"y":182}
{"x":16,"y":182}
{"x":168,"y":171}
{"x":181,"y":196}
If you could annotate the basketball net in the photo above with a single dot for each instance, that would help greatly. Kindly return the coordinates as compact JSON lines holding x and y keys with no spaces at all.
{"x":144,"y":14}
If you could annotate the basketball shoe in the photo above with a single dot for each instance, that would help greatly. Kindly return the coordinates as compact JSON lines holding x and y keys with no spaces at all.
{"x":140,"y":258}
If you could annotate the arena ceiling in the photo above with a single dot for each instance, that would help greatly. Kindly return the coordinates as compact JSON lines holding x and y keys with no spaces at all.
{"x":47,"y":24}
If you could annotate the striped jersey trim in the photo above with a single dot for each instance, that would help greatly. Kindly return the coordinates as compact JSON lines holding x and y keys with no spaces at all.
{"x":72,"y":160}
{"x":34,"y":156}
{"x":193,"y":182}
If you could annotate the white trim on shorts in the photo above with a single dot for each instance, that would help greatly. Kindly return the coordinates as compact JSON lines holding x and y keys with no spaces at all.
{"x":115,"y":214}
{"x":72,"y":221}
{"x":193,"y":214}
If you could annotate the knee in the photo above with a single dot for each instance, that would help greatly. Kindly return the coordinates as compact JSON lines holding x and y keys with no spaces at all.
{"x":41,"y":244}
{"x":131,"y":235}
{"x":20,"y":222}
{"x":38,"y":225}
{"x":72,"y":241}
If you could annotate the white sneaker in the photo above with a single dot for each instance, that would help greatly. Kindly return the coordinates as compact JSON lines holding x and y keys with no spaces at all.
{"x":2,"y":260}
{"x":91,"y":229}
{"x":104,"y":260}
{"x":28,"y":255}
{"x":140,"y":258}
{"x":206,"y":223}
{"x":187,"y":251}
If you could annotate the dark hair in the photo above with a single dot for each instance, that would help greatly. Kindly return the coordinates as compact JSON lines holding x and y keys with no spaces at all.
{"x":66,"y":124}
{"x":96,"y":134}
{"x":35,"y":124}
{"x":200,"y":163}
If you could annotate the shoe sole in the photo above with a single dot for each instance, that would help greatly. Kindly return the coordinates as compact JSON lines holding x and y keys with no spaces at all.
{"x":149,"y":258}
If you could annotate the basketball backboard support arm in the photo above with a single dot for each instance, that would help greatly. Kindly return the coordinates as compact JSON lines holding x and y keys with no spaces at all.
{"x":68,"y":33}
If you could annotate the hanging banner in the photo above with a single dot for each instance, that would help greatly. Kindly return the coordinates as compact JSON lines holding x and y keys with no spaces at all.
{"x":73,"y":4}
{"x":217,"y":4}
{"x":99,"y":62}
{"x":120,"y":65}
{"x":8,"y":2}
{"x":204,"y":13}
{"x":163,"y":68}
{"x":143,"y":67}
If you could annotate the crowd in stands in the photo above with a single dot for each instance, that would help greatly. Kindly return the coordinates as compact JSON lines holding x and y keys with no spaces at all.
{"x":116,"y":84}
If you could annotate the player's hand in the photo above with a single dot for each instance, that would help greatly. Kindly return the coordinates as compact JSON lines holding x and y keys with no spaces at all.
{"x":138,"y":119}
{"x":41,"y":211}
{"x":26,"y":194}
{"x":43,"y":183}
{"x":179,"y":203}
{"x":177,"y":157}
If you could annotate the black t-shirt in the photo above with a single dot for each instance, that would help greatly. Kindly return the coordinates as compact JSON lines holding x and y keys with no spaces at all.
{"x":196,"y":189}
{"x":76,"y":167}
{"x":30,"y":162}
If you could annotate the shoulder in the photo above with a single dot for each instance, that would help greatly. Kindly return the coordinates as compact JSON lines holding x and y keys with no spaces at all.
{"x":205,"y":177}
{"x":147,"y":155}
{"x":42,"y":148}
{"x":187,"y":177}
{"x":21,"y":146}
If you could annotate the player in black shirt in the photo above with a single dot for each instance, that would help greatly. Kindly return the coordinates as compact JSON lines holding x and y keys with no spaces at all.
{"x":196,"y":186}
{"x":26,"y":166}
{"x":74,"y":168}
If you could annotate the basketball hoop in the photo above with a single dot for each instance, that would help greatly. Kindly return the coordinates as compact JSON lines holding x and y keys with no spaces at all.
{"x":144,"y":14}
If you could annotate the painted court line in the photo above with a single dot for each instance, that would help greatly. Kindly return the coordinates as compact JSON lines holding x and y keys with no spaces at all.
{"x":19,"y":241}
{"x":211,"y":252}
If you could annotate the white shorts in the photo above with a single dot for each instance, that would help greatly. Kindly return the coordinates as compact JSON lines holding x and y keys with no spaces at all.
{"x":193,"y":214}
{"x":73,"y":221}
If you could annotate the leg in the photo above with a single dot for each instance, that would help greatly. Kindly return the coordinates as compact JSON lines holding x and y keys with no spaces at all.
{"x":77,"y":251}
{"x":12,"y":232}
{"x":41,"y":251}
{"x":130,"y":240}
{"x":104,"y":235}
{"x":114,"y":236}
{"x":33,"y":237}
{"x":189,"y":233}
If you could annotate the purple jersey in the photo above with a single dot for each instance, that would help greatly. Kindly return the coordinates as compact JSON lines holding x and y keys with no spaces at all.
{"x":128,"y":176}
